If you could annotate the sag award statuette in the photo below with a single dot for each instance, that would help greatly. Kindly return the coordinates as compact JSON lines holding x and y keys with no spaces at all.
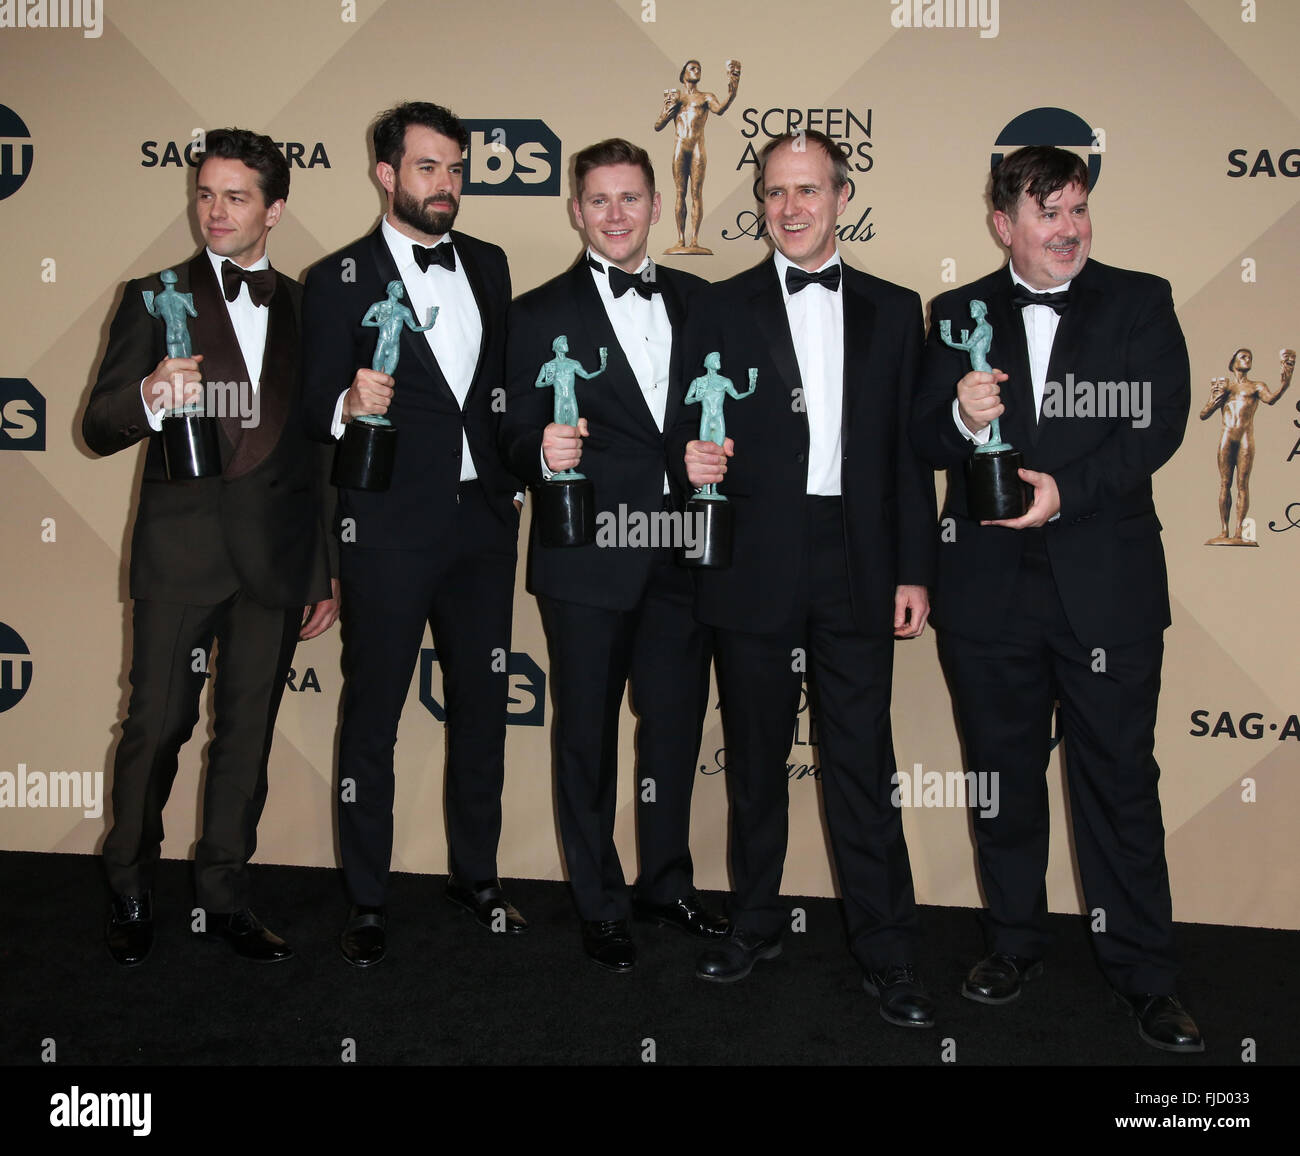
{"x":993,"y":487}
{"x":566,"y":502}
{"x":365,"y":456}
{"x":709,"y":510}
{"x":189,"y":436}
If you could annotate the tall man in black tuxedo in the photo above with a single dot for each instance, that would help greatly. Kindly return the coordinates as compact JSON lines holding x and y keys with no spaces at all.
{"x":833,"y":556}
{"x":614,"y":611}
{"x":1070,"y":601}
{"x":231,"y":559}
{"x":439,"y":545}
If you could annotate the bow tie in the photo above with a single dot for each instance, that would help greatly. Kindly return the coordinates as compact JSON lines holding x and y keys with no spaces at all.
{"x":440,"y":254}
{"x":1020,"y":297}
{"x":620,"y":282}
{"x":796,"y":280}
{"x":260,"y":282}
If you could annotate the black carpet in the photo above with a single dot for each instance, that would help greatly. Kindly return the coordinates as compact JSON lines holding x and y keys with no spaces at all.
{"x":453,"y":993}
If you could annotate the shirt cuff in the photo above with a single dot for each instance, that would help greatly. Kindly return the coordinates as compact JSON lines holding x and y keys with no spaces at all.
{"x":336,"y":426}
{"x":979,"y":439}
{"x":154,"y":418}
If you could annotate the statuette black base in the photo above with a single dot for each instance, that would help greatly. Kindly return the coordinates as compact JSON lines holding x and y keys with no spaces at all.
{"x":713,"y":525}
{"x":191,"y":448}
{"x":566,"y":512}
{"x":365,"y":456}
{"x":994,"y":490}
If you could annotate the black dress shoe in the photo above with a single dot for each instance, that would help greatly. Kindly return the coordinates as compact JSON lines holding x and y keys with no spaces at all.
{"x":129,"y":933}
{"x":486,"y":903}
{"x":903,"y":998}
{"x":687,"y":914}
{"x":1163,"y":1022}
{"x":733,"y":957}
{"x":999,"y":977}
{"x":608,"y":942}
{"x":363,"y":938}
{"x":245,"y":933}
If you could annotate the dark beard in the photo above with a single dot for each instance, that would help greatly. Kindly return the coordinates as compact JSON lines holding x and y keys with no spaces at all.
{"x":424,"y":217}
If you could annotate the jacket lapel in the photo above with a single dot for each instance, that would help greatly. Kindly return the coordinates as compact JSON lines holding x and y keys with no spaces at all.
{"x":618,"y":380}
{"x":413,"y":344}
{"x":474,"y":275}
{"x":214,"y":337}
{"x":859,"y":325}
{"x":1010,"y":353}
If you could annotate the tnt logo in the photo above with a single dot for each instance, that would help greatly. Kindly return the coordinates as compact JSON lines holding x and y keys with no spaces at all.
{"x":1052,"y":126}
{"x":22,"y":415}
{"x":15,"y":152}
{"x":512,"y":158}
{"x":15,"y":667}
{"x":525,"y":700}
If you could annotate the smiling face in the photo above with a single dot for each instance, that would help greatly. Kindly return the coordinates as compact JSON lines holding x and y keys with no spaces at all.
{"x":233,"y":216}
{"x":424,"y":189}
{"x":801,"y":204}
{"x":615,"y":211}
{"x":1050,"y":242}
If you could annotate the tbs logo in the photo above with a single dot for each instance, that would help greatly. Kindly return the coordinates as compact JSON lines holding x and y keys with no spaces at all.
{"x":22,"y":415}
{"x":1052,"y":126}
{"x":526,"y":698}
{"x":15,"y":667}
{"x":16,"y":152}
{"x":512,"y":158}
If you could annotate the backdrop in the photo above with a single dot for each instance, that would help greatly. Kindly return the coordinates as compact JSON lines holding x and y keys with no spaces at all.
{"x":1189,"y":111}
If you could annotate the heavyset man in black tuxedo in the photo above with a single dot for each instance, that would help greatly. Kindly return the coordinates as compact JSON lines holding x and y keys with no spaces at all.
{"x":231,"y":559}
{"x":1070,"y":601}
{"x":615,"y":612}
{"x":833,"y":556}
{"x":439,"y":545}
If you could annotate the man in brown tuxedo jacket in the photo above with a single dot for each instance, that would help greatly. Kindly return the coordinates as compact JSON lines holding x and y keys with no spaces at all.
{"x":231,"y":559}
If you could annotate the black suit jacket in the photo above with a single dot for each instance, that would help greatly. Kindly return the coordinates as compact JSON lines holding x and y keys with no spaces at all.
{"x":259,"y":526}
{"x":888,"y":492}
{"x":418,"y":509}
{"x":1105,"y":548}
{"x":624,"y":456}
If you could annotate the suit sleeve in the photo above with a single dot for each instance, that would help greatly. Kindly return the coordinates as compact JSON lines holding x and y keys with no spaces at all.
{"x":1156,"y":359}
{"x":528,"y":409}
{"x":917,"y":512}
{"x":115,"y":416}
{"x":328,"y":359}
{"x":934,"y":435}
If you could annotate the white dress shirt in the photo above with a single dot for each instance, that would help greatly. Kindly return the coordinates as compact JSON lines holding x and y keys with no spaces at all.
{"x":816,"y":318}
{"x":249,"y":322}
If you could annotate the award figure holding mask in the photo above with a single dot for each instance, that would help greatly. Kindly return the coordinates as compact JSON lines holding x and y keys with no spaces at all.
{"x":566,"y":501}
{"x":369,"y":445}
{"x":994,"y":488}
{"x":712,"y":511}
{"x":189,"y":435}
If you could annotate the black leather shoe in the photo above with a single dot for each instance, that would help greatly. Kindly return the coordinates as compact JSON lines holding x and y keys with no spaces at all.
{"x":363,"y":938}
{"x":733,"y":957}
{"x":129,"y":933}
{"x":245,"y":933}
{"x":1163,"y":1022}
{"x":608,"y":942}
{"x":903,"y":998}
{"x":687,"y":914}
{"x":486,"y":903}
{"x":999,"y":977}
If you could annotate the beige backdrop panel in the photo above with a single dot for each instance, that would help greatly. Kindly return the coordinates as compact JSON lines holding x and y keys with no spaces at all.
{"x":1174,"y":86}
